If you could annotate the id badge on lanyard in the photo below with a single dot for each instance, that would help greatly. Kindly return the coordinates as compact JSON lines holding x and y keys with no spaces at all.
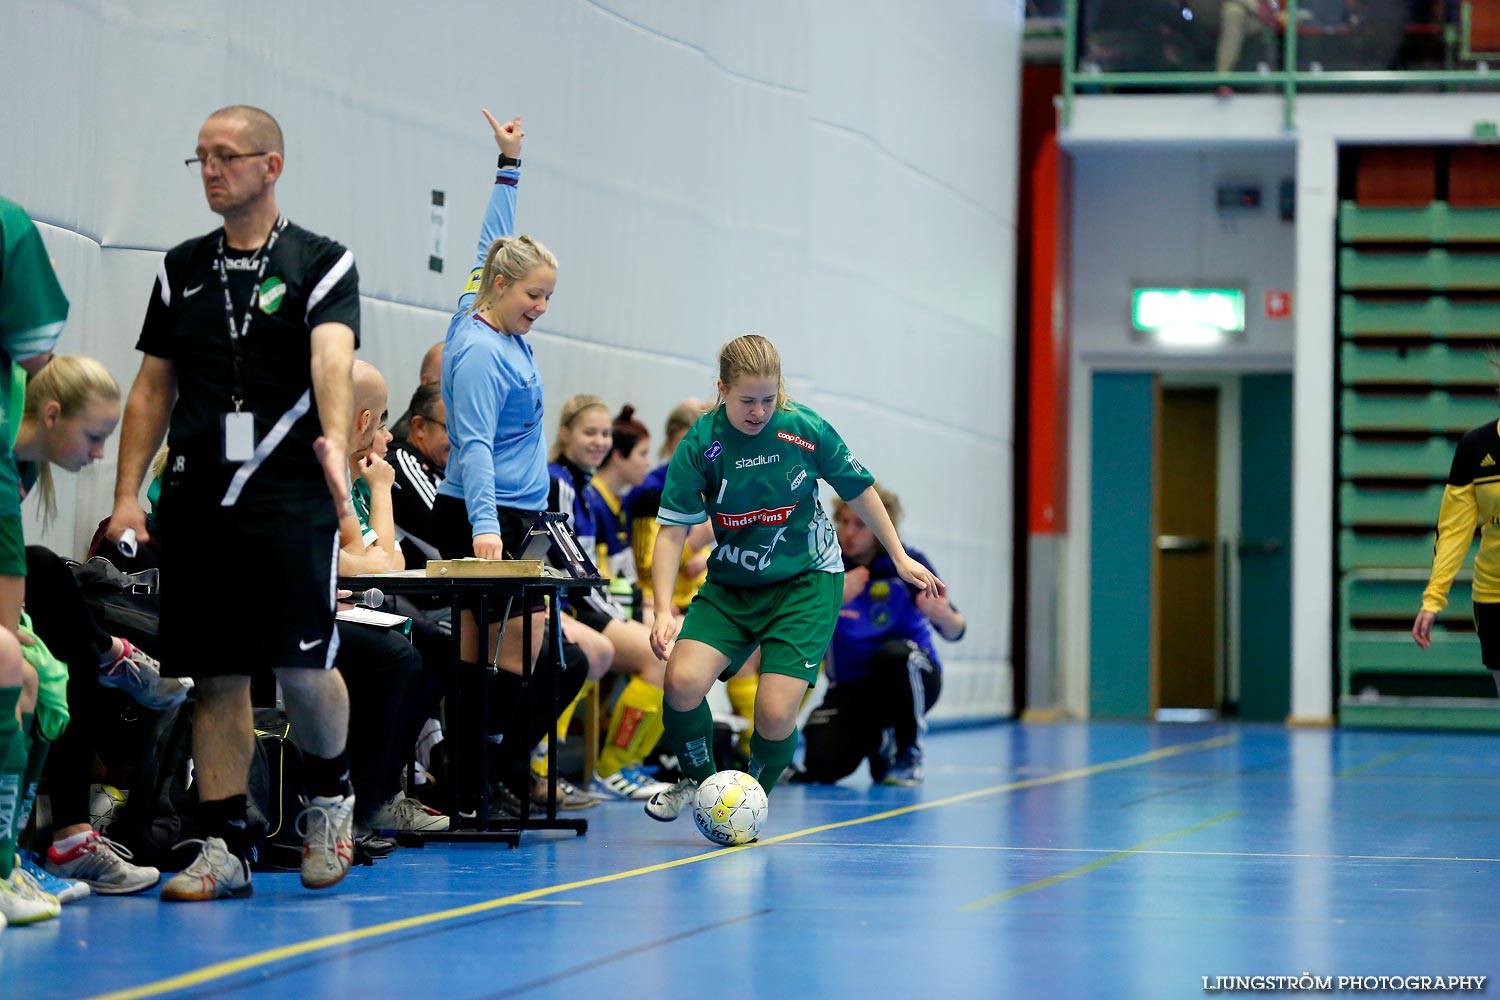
{"x":239,"y":436}
{"x":239,"y":426}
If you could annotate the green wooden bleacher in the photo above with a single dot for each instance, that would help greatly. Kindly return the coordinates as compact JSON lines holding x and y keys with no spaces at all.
{"x":1419,"y":307}
{"x":1435,"y":318}
{"x":1419,"y":459}
{"x":1433,"y":364}
{"x":1436,"y":411}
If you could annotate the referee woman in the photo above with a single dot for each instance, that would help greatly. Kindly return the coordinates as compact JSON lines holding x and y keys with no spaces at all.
{"x":497,"y":478}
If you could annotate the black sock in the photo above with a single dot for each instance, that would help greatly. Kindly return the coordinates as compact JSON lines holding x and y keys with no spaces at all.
{"x":510,"y":759}
{"x":227,"y":819}
{"x":326,"y":777}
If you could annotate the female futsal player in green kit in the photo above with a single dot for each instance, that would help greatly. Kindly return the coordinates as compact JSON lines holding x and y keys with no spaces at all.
{"x":751,"y":465}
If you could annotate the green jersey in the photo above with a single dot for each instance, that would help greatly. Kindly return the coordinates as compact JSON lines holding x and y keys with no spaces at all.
{"x":359,"y":495}
{"x":32,"y":312}
{"x":761,"y":492}
{"x":32,"y":305}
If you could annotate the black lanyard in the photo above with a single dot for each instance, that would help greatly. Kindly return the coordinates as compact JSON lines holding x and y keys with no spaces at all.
{"x":236,"y":331}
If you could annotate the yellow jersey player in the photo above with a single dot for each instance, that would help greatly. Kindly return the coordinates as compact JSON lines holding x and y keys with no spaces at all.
{"x":1471,"y":499}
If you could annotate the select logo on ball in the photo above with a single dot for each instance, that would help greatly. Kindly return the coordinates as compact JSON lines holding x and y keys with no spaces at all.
{"x":730,"y":808}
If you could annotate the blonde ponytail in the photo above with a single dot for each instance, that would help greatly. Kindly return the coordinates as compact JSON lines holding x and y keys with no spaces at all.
{"x":511,"y":258}
{"x":73,"y":382}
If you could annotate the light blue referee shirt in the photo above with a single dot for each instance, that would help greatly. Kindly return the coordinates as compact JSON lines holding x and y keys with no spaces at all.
{"x":493,"y":394}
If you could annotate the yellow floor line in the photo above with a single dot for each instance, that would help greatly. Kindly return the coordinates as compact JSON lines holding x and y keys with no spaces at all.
{"x":1383,"y":759}
{"x":219,"y":970}
{"x":1108,"y":859}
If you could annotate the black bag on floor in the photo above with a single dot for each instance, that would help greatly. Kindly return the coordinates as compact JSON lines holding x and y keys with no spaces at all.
{"x":161,"y":811}
{"x":281,"y":848}
{"x":281,"y":802}
{"x":125,"y":604}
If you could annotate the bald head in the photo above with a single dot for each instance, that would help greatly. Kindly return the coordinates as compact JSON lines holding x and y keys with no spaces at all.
{"x":261,"y":129}
{"x":432,"y":364}
{"x":369,"y":408}
{"x":369,"y":387}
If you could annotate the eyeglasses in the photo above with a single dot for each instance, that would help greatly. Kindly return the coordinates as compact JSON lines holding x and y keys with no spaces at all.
{"x":439,"y":423}
{"x":221,"y":160}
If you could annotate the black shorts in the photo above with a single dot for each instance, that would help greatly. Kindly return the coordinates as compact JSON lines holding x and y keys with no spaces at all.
{"x":1487,"y":624}
{"x":245,"y":589}
{"x":587,"y":614}
{"x":455,"y":536}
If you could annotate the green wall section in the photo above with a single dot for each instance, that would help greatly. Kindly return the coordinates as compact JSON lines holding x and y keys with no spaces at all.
{"x":1265,"y":624}
{"x":1120,"y":544}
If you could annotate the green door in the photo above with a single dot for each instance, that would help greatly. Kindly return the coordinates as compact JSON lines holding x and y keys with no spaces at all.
{"x":1121,"y":541}
{"x":1265,"y":643}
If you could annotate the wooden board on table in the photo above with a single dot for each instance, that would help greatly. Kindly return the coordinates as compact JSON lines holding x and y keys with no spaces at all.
{"x":492,"y":568}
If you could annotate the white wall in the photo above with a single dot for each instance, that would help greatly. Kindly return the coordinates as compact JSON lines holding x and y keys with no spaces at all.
{"x":837,"y":175}
{"x":1146,"y":217}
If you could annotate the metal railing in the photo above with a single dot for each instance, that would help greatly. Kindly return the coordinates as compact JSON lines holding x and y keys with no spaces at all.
{"x":1301,"y":49}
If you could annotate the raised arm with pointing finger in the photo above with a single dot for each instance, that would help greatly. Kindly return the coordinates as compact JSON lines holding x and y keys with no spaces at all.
{"x":477,"y":384}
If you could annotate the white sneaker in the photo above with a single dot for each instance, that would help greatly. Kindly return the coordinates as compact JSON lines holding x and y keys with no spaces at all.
{"x":21,"y":902}
{"x":628,"y":783}
{"x":403,"y":813}
{"x":214,"y":874}
{"x":103,"y":866}
{"x":667,"y":805}
{"x":327,"y":829}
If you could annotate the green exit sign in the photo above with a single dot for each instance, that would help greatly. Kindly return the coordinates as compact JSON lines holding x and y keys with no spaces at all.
{"x":1184,"y":310}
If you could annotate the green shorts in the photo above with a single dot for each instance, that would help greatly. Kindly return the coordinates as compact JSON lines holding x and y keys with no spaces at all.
{"x":12,"y":546}
{"x":12,"y":540}
{"x":792,"y":622}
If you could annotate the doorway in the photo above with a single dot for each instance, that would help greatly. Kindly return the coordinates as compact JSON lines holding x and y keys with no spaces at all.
{"x":1189,"y":541}
{"x":1188,"y":585}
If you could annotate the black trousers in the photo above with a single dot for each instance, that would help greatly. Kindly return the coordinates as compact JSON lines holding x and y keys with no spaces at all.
{"x":382,"y":671}
{"x":434,"y":646}
{"x":849,"y":726}
{"x":69,"y":629}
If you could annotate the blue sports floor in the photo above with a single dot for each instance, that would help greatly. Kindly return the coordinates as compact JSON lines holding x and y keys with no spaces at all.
{"x":1071,"y":860}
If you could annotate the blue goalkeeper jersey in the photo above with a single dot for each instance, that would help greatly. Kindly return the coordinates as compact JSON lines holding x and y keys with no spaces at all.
{"x":886,"y":609}
{"x":493,"y":394}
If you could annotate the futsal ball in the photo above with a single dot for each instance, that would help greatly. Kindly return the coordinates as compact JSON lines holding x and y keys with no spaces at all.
{"x":105,"y":803}
{"x":730,"y":808}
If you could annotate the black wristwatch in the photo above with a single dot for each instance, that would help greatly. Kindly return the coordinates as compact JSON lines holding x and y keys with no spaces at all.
{"x":507,"y":161}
